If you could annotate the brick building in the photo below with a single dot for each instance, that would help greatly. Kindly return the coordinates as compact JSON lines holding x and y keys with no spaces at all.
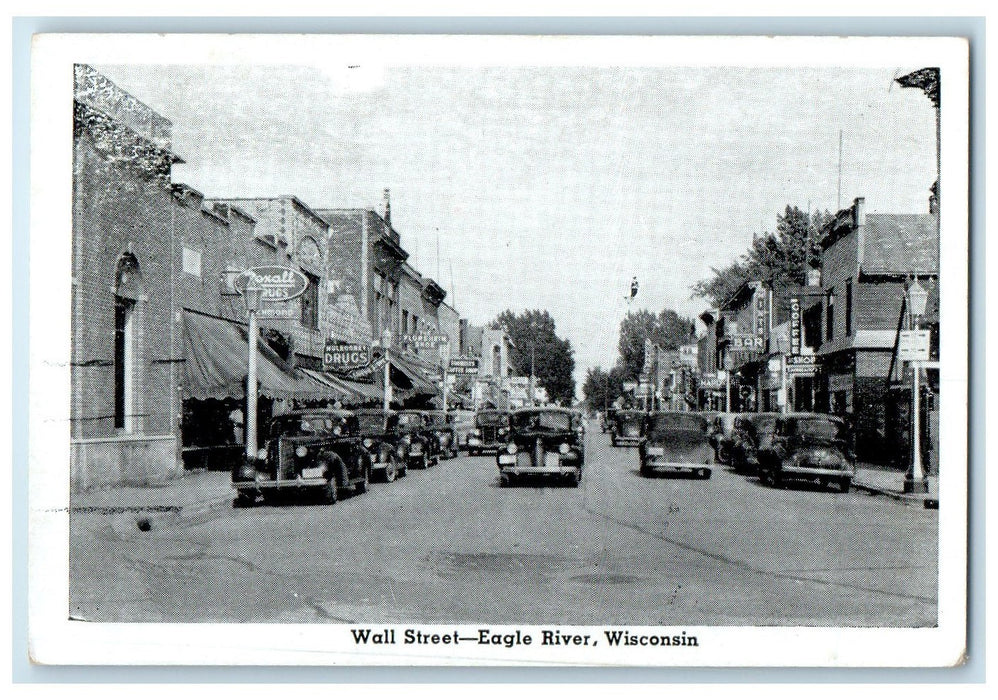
{"x":867,"y":262}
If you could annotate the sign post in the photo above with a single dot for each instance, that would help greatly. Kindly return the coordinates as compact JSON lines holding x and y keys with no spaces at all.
{"x":271,"y":284}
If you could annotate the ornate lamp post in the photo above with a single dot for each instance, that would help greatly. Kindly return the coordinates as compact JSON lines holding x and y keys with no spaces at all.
{"x":914,"y":481}
{"x":251,"y":297}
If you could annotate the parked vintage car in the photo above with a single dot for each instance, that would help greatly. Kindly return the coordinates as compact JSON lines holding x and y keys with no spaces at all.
{"x":463,"y":422}
{"x":809,"y":447}
{"x":676,"y":442}
{"x":752,"y":432}
{"x":317,"y":451}
{"x":420,"y":444}
{"x":627,"y":427}
{"x":490,"y":433}
{"x":380,"y":435}
{"x":543,"y":441}
{"x":442,"y":426}
{"x":722,"y":429}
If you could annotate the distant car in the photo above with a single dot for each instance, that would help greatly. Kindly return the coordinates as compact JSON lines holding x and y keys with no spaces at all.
{"x":543,"y":441}
{"x":464,"y":423}
{"x":676,"y":442}
{"x":752,"y":432}
{"x":722,"y":429}
{"x":490,"y":433}
{"x":420,"y":444}
{"x":380,"y":436}
{"x":442,"y":425}
{"x":809,"y":447}
{"x":627,"y":428}
{"x":318,"y":452}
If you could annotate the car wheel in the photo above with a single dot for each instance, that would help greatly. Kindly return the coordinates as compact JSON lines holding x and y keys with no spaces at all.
{"x":645,"y":470}
{"x":613,"y":440}
{"x":844,"y":485}
{"x":723,"y":454}
{"x":504,"y":480}
{"x":243,"y":500}
{"x":574,"y":479}
{"x":705,"y":473}
{"x":391,"y":471}
{"x":330,"y":493}
{"x":362,"y":485}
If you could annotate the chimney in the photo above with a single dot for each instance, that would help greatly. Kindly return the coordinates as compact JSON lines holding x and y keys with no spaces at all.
{"x":858,"y":215}
{"x":388,"y":207}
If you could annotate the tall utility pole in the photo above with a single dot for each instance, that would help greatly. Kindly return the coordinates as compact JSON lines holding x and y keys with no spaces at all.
{"x":252,"y":297}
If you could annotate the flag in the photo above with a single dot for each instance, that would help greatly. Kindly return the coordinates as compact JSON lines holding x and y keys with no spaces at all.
{"x":634,"y":287}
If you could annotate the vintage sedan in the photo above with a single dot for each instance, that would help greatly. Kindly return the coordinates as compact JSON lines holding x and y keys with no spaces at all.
{"x":380,"y":435}
{"x":543,"y":441}
{"x":317,"y":451}
{"x":420,"y":445}
{"x":809,"y":447}
{"x":442,"y":426}
{"x":752,"y":432}
{"x":676,"y":442}
{"x":627,"y":428}
{"x":722,"y":431}
{"x":490,"y":433}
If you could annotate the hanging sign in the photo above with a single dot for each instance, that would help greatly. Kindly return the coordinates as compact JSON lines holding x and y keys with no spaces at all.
{"x":345,"y":356}
{"x":424,"y":340}
{"x":795,"y":326}
{"x":278,"y":283}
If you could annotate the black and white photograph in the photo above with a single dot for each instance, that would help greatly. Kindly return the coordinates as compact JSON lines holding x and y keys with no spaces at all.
{"x":499,"y":350}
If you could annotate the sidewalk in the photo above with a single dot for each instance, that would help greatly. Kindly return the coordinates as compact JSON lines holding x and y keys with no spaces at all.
{"x":195,"y":491}
{"x":889,"y":482}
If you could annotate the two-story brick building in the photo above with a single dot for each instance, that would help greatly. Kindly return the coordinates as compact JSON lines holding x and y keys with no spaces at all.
{"x":867,"y":262}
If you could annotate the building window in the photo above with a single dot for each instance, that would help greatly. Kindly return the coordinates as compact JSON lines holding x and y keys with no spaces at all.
{"x":310,"y":303}
{"x":192,"y":261}
{"x":405,"y":321}
{"x":123,"y":362}
{"x":830,"y":314}
{"x":848,"y":308}
{"x":496,"y":361}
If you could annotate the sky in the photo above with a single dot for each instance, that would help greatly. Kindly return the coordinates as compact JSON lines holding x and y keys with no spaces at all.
{"x":551,"y":187}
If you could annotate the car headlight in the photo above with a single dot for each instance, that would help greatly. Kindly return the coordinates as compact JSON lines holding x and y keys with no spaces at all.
{"x":337,"y":430}
{"x":261,"y":453}
{"x":407,"y":439}
{"x":502,"y":431}
{"x":301,"y":451}
{"x":511,"y":448}
{"x":368,"y":442}
{"x":563,"y":448}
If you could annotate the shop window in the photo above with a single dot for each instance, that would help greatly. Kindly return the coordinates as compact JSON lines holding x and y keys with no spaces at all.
{"x":848,"y":308}
{"x":310,"y":303}
{"x":830,"y":315}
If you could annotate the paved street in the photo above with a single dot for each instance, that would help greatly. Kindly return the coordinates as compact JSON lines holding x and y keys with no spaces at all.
{"x":449,"y":545}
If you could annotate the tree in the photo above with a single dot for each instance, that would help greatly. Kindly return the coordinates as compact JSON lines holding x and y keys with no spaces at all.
{"x":668,"y":330}
{"x":602,"y":388}
{"x":533,"y":333}
{"x":781,"y":259}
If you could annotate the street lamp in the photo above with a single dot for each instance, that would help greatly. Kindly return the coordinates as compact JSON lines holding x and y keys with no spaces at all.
{"x":914,"y":480}
{"x":251,"y":297}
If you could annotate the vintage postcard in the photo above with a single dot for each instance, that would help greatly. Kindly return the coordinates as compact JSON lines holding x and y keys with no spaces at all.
{"x":498,"y":350}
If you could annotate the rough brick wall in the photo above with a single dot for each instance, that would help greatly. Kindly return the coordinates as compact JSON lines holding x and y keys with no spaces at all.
{"x":119,"y":207}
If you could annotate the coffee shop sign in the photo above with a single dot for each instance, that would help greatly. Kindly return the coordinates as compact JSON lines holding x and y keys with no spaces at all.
{"x":278,"y":283}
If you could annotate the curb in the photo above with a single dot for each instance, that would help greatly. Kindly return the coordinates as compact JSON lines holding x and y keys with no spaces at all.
{"x":926,"y":500}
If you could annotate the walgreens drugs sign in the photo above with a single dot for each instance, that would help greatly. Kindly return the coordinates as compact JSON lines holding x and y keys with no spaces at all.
{"x":278,"y":283}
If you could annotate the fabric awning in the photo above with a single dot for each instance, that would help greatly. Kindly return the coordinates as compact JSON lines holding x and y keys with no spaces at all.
{"x":420,"y":383}
{"x":215,"y":352}
{"x":346,"y":389}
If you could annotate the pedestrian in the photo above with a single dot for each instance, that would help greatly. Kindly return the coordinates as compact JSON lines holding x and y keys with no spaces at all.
{"x":236,"y":417}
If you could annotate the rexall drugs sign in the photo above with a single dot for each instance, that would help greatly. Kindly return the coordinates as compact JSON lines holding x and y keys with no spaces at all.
{"x":278,"y":283}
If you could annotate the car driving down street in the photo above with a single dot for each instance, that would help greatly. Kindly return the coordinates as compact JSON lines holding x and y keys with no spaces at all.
{"x":543,"y":441}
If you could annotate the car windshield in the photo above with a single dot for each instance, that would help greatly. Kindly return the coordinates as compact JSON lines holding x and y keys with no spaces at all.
{"x":410,"y":419}
{"x":763,"y":425}
{"x":371,"y":422}
{"x":821,"y":428}
{"x":542,"y":420}
{"x":490,"y":419}
{"x":303,"y":425}
{"x":691,"y":423}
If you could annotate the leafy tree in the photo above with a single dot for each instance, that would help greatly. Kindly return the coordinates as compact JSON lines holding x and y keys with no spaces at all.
{"x":602,"y":388}
{"x":668,"y":330}
{"x":553,"y":360}
{"x":781,"y":258}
